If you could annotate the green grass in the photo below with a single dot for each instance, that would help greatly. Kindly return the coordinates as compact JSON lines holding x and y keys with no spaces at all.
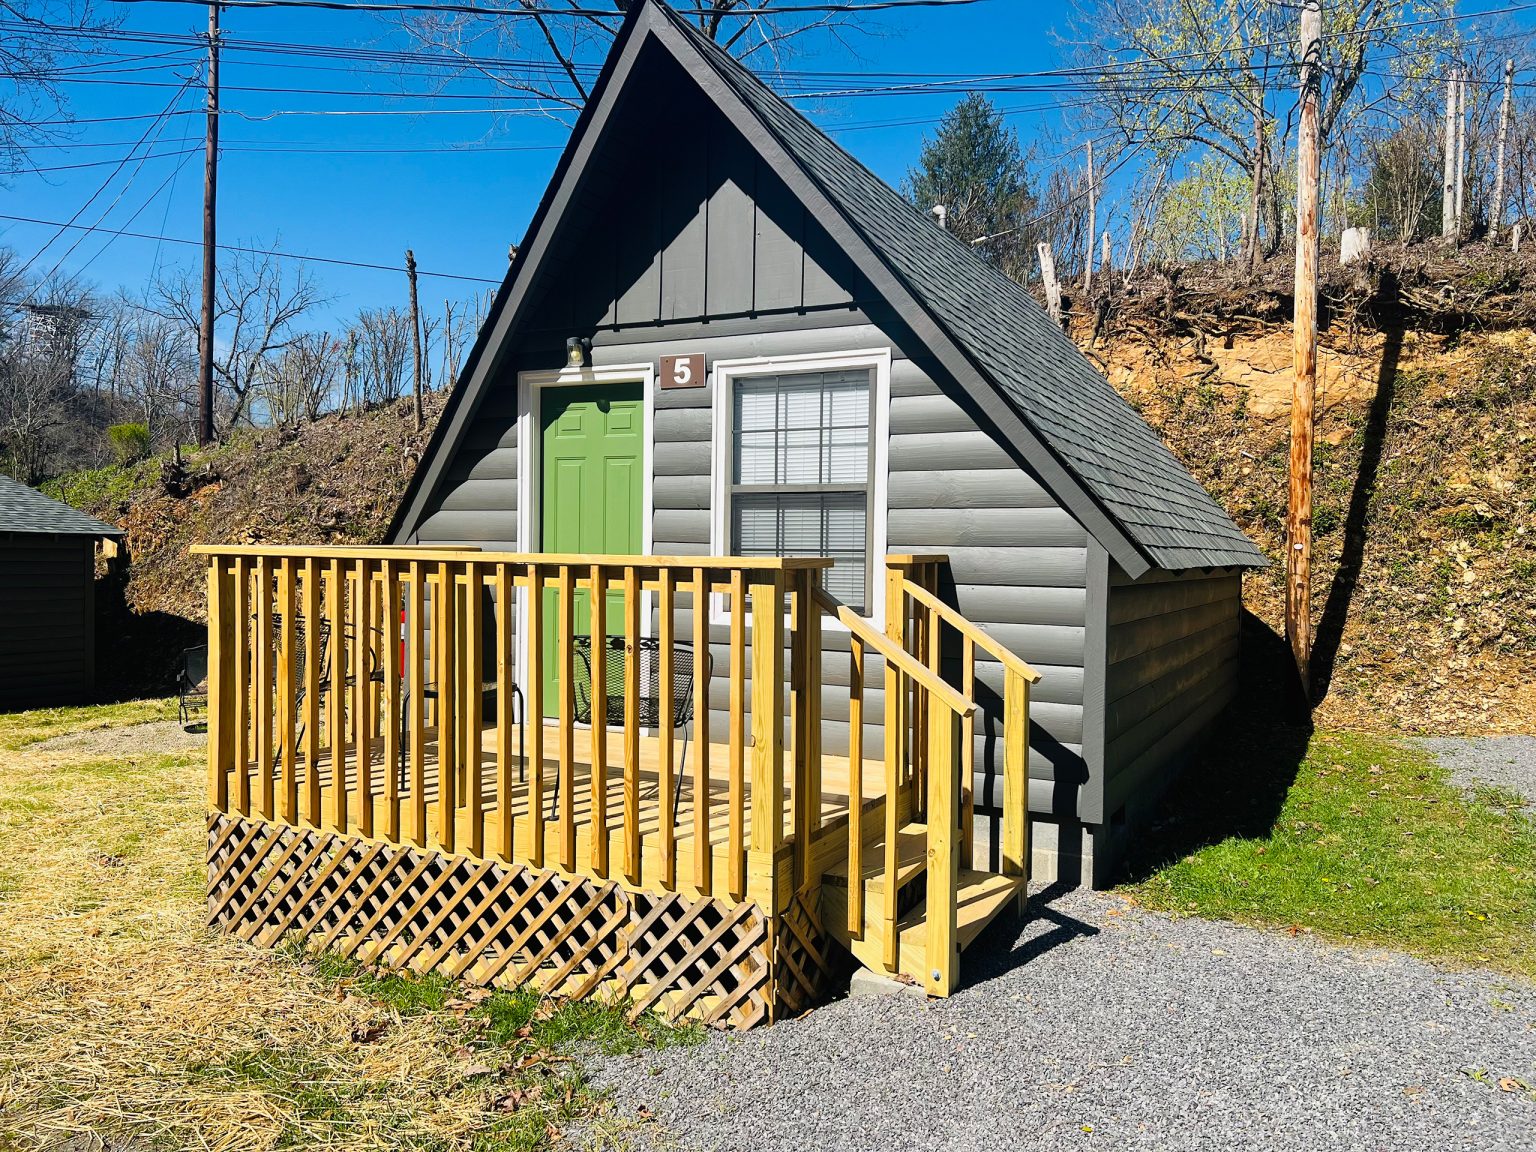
{"x":516,"y":1045}
{"x":19,"y":729}
{"x":1370,"y":843}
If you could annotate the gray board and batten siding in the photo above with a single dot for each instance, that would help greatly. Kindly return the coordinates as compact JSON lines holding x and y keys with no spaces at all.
{"x":667,"y":231}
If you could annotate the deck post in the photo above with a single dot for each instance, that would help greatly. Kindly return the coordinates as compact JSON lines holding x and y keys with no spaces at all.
{"x":767,"y":593}
{"x":943,"y":858}
{"x":1015,"y":846}
{"x":221,"y":681}
{"x":805,"y":712}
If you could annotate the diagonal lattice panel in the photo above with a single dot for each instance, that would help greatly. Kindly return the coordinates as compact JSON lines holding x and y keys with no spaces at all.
{"x":488,"y":922}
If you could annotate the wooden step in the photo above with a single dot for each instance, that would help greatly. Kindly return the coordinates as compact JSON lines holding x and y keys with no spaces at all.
{"x":981,"y":897}
{"x":911,"y":859}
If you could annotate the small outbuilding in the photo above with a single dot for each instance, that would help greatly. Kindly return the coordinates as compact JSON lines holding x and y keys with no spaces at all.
{"x":724,"y":336}
{"x":47,"y":589}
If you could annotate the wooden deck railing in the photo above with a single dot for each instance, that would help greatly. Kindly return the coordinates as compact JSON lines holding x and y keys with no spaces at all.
{"x":354,"y":689}
{"x":919,"y":618}
{"x":946,"y":711}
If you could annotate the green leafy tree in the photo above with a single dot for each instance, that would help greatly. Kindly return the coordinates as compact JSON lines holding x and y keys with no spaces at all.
{"x":975,"y":168}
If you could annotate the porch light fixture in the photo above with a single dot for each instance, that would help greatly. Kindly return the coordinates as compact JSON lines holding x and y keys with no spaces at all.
{"x":578,"y":352}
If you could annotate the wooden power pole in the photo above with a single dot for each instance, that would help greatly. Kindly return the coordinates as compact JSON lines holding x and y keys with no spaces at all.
{"x":1298,"y":522}
{"x":1496,"y":214}
{"x":1093,"y":226}
{"x":210,"y":237}
{"x":410,"y":275}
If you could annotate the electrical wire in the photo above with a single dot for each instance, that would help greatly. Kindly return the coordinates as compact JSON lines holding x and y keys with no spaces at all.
{"x":244,"y":248}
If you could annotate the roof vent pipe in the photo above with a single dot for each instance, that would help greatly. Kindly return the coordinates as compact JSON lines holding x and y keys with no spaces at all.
{"x":941,"y":214}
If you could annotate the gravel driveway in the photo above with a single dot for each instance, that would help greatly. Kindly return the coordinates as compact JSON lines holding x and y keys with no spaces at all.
{"x":1105,"y":1026}
{"x":1507,"y":762}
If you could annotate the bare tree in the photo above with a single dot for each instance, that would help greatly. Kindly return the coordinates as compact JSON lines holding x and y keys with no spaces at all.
{"x":296,"y":385}
{"x":33,"y":108}
{"x":1217,"y":75}
{"x":258,"y":305}
{"x":552,"y":59}
{"x":381,"y":340}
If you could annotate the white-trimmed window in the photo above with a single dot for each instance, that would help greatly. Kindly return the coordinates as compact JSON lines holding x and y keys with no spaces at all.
{"x":803,"y":462}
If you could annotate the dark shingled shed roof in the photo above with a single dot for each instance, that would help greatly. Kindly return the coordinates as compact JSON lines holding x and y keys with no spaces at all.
{"x":1031,"y":362}
{"x":26,"y":510}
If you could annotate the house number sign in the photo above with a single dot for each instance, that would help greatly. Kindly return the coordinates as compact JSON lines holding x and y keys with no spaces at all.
{"x":682,"y":371}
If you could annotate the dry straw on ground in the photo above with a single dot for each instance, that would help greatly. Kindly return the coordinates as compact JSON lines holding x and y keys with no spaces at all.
{"x":128,"y":1024}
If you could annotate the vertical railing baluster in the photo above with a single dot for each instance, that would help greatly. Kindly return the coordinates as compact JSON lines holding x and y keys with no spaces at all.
{"x":313,"y":657}
{"x":565,"y":635}
{"x":505,"y":822}
{"x":417,"y":672}
{"x":336,"y":727}
{"x":362,"y":685}
{"x":242,"y":663}
{"x":855,"y":785}
{"x":597,"y":691}
{"x":223,"y":681}
{"x":535,"y":672}
{"x":967,"y":754}
{"x":737,"y":731}
{"x":261,"y":705}
{"x":445,"y":656}
{"x":895,"y":742}
{"x":632,"y":830}
{"x":703,"y":848}
{"x":666,"y":816}
{"x":472,"y":703}
{"x":392,"y":718}
{"x":287,"y":691}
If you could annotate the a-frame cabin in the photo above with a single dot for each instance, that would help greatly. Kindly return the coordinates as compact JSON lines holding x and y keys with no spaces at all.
{"x":863,"y":529}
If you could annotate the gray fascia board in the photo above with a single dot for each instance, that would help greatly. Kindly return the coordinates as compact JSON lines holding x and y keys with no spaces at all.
{"x":961,"y":367}
{"x":520,"y":278}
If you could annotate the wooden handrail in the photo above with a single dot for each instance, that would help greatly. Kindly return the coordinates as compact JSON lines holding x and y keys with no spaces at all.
{"x":443,"y":553}
{"x":895,"y":655}
{"x":959,"y":623}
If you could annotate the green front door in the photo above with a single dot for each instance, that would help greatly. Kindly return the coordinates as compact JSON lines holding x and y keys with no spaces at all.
{"x":593,"y":446}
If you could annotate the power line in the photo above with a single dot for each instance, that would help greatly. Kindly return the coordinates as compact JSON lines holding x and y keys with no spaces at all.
{"x":531,"y":10}
{"x":244,"y":248}
{"x":158,"y":120}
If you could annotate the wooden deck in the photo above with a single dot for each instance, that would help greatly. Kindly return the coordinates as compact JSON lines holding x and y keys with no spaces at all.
{"x":479,"y":830}
{"x":371,"y":789}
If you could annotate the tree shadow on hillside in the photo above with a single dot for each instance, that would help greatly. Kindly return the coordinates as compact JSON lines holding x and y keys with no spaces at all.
{"x":1329,"y":633}
{"x":1235,"y":785}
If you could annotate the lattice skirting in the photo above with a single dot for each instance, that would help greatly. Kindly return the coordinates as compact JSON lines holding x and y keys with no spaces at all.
{"x":497,"y":924}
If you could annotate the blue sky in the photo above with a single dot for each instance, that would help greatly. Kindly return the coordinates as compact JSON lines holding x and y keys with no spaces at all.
{"x":325,"y":194}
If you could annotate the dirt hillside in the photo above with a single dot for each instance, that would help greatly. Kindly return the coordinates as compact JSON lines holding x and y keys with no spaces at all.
{"x":1425,"y":565}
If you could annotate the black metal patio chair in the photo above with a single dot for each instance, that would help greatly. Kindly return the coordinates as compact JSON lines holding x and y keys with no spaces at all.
{"x":488,"y":705}
{"x":191,"y":683}
{"x":648,"y":650}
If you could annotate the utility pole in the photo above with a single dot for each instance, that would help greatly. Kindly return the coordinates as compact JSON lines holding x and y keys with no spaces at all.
{"x":1496,"y":216}
{"x":210,"y":237}
{"x":1448,"y":189}
{"x":1298,"y":523}
{"x":1093,"y":226}
{"x":410,"y":275}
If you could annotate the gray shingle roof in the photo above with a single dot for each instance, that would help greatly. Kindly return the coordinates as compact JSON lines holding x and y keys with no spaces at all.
{"x":24,"y":509}
{"x":1035,"y":366}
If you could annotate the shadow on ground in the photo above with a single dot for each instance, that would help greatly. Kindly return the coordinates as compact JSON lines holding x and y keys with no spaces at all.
{"x":137,"y":653}
{"x":1236,"y":784}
